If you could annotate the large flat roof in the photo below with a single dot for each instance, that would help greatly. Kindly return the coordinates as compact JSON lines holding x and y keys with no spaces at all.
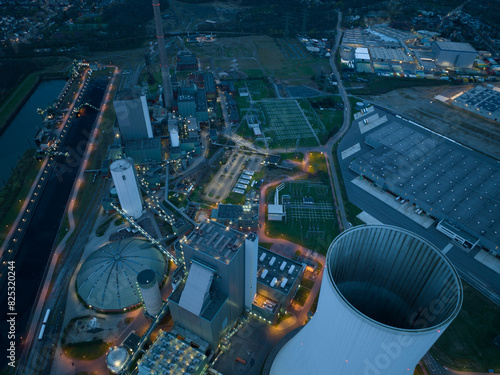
{"x":169,"y":355}
{"x":275,"y":271}
{"x":216,"y":240}
{"x":455,"y":46}
{"x":442,"y":177}
{"x":481,"y":100}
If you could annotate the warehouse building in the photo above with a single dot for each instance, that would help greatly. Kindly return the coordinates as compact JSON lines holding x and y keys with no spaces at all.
{"x":484,"y":101}
{"x":449,"y":182}
{"x":452,"y":54}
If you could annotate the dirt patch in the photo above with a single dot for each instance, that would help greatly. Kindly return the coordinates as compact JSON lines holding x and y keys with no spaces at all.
{"x":418,"y":104}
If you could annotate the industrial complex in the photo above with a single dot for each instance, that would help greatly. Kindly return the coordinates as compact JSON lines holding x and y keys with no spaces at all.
{"x":230,"y":222}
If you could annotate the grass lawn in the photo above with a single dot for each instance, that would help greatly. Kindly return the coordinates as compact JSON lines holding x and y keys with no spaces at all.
{"x":292,"y":156}
{"x":19,"y":93}
{"x":266,"y":245}
{"x":317,"y":162}
{"x":314,"y":305}
{"x":235,"y":198}
{"x":382,"y":85}
{"x":332,"y":120}
{"x":282,"y":317}
{"x":101,"y":229}
{"x":418,"y":371}
{"x":89,"y":351}
{"x":13,"y":195}
{"x":301,"y":296}
{"x":351,"y":209}
{"x":467,"y":344}
{"x":307,"y":283}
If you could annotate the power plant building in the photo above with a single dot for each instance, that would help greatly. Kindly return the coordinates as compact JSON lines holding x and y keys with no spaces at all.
{"x":144,"y":151}
{"x":170,"y":355}
{"x":212,"y":298}
{"x":132,"y":115}
{"x":278,"y":279}
{"x":386,"y":296}
{"x":127,"y":187}
{"x":107,"y":280}
{"x":452,"y":54}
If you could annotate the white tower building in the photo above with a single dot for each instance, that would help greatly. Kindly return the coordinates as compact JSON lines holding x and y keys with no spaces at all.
{"x":251,"y":255}
{"x":150,"y":292}
{"x":123,"y":173}
{"x":386,"y":297}
{"x":174,"y":137}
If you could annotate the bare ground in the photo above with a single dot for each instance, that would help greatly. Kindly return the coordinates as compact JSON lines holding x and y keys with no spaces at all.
{"x":419,"y":105}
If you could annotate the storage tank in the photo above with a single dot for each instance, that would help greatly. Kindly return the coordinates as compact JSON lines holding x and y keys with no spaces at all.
{"x":386,"y":297}
{"x":116,"y":359}
{"x":127,"y":188}
{"x":174,"y":138}
{"x":150,"y":292}
{"x":360,"y":105}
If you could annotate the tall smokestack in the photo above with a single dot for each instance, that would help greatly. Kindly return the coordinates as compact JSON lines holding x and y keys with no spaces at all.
{"x":165,"y":74}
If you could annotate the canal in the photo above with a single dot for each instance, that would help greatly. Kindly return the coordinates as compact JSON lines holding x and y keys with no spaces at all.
{"x":18,"y":137}
{"x":35,"y":248}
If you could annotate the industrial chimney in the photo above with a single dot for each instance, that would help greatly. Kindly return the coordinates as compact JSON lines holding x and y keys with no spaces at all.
{"x":165,"y":74}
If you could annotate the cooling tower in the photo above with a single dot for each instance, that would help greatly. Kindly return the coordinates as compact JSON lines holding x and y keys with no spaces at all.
{"x":386,"y":297}
{"x":150,"y":292}
{"x":174,"y":138}
{"x":130,"y":198}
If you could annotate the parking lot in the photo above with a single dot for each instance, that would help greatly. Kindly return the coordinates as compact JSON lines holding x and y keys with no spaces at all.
{"x":228,"y":174}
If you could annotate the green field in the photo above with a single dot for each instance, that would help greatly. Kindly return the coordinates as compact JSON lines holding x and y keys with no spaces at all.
{"x":301,"y":296}
{"x":330,"y":117}
{"x":14,"y":100}
{"x":382,"y":85}
{"x":16,"y":190}
{"x":467,"y":344}
{"x":351,"y":209}
{"x":299,"y":156}
{"x":86,"y":350}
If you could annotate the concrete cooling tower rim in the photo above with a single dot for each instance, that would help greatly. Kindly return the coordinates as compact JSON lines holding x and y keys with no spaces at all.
{"x":430,"y":259}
